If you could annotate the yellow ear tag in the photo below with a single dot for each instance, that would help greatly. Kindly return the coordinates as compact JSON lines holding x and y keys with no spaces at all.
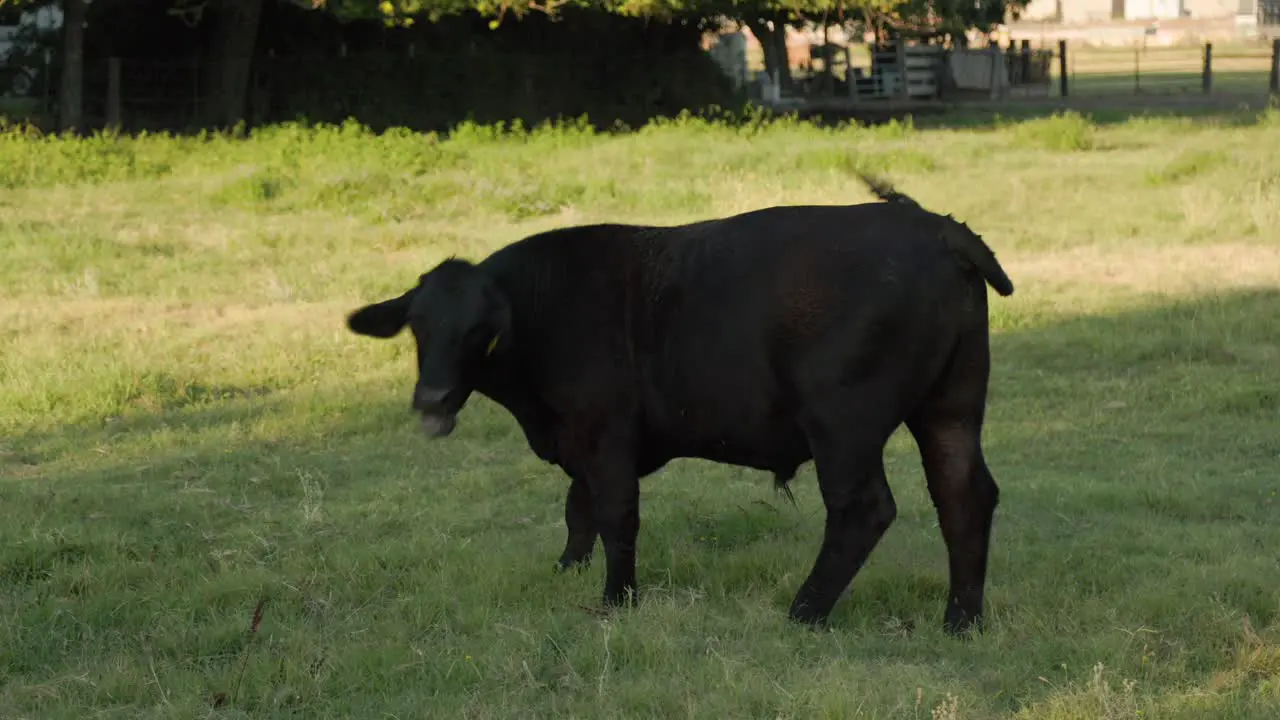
{"x":492,"y":344}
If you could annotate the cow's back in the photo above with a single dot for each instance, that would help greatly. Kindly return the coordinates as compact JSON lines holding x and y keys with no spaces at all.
{"x":742,"y":312}
{"x":706,"y":332}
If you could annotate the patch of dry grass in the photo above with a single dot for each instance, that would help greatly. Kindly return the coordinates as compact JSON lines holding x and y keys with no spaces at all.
{"x":1176,"y":270}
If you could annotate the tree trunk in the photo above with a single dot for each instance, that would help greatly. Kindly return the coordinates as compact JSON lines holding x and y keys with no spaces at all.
{"x":236,"y":38}
{"x":774,"y":44}
{"x":71,"y":82}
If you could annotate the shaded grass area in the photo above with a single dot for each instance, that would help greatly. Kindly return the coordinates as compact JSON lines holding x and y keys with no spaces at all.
{"x":189,"y":431}
{"x":1190,"y":80}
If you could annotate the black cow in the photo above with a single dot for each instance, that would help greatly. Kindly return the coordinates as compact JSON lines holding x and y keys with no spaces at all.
{"x":763,"y":340}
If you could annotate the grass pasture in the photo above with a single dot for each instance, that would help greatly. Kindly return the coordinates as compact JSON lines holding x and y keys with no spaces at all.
{"x":193,"y":447}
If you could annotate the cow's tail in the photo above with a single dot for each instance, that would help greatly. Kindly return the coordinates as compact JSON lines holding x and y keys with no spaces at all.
{"x":963,"y":241}
{"x":970,"y":246}
{"x":884,"y":190}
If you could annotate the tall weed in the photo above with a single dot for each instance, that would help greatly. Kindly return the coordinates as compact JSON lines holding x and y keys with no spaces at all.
{"x":28,"y":159}
{"x":1067,"y":131}
{"x":1187,"y":165}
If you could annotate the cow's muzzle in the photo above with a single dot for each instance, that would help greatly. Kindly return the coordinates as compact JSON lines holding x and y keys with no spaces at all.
{"x":438,"y":425}
{"x":438,"y":419}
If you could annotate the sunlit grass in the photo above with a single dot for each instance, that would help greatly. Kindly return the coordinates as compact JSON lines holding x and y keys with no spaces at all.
{"x":187,"y":429}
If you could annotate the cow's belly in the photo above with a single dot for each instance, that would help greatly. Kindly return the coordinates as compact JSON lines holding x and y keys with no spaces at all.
{"x":780,"y":448}
{"x":735,"y":425}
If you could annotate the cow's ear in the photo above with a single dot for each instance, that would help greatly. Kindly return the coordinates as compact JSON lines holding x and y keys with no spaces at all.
{"x":381,"y":320}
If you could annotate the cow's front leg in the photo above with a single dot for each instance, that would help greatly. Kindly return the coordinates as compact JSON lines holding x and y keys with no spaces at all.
{"x":579,"y":520}
{"x":615,"y":494}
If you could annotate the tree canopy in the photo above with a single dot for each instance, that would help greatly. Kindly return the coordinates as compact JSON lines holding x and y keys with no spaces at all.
{"x":947,"y":15}
{"x":238,"y":24}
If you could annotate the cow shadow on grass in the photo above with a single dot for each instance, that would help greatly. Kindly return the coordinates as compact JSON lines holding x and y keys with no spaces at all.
{"x":200,"y":407}
{"x":1131,"y":450}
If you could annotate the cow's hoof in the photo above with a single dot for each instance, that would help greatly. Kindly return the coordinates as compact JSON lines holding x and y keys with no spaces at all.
{"x":565,"y":564}
{"x":806,"y":615}
{"x":626,"y":598}
{"x":961,"y":624}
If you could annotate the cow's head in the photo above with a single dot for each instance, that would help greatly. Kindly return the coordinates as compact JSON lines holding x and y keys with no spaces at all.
{"x":459,"y":319}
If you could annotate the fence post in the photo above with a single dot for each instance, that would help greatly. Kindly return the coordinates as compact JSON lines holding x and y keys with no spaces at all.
{"x":46,"y":103}
{"x":1206,"y":76}
{"x":850,"y":75}
{"x":1137,"y":71}
{"x":1062,"y":68}
{"x":114,"y":108}
{"x":1025,"y":60}
{"x":901,"y":50}
{"x":993,"y":51}
{"x":940,"y":72}
{"x":1275,"y":67}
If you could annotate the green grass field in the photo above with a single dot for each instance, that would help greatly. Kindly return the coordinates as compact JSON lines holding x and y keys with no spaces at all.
{"x":188,"y":434}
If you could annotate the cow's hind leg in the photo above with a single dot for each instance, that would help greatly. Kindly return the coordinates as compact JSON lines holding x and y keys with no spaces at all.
{"x":947,"y":428}
{"x":579,"y":520}
{"x":848,"y":452}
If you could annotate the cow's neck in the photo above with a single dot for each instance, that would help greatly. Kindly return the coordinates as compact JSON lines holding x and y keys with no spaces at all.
{"x":533,"y":415}
{"x":540,"y":293}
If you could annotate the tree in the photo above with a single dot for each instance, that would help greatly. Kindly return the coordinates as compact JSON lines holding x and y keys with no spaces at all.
{"x":71,"y":79}
{"x":767,"y":20}
{"x":71,"y":84}
{"x":235,"y":40}
{"x":237,"y":22}
{"x":236,"y":33}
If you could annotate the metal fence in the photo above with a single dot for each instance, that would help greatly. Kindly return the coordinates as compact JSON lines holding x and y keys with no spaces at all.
{"x":836,"y":77}
{"x":1063,"y":69}
{"x":1142,"y":70}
